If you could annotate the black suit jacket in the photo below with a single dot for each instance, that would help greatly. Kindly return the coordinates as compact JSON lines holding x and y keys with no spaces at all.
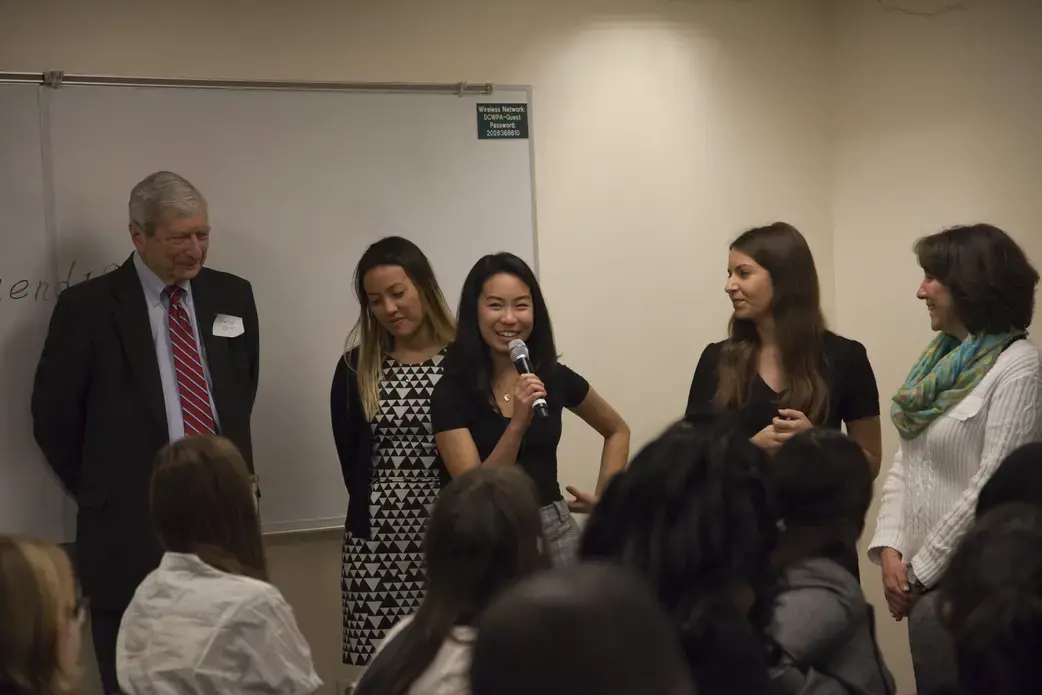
{"x":99,"y":414}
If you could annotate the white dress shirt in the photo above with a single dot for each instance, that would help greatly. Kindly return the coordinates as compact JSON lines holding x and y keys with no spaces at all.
{"x":930,"y":496}
{"x":194,"y":629}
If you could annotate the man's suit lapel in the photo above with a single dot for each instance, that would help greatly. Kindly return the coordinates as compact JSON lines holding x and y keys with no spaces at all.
{"x":205,"y":313}
{"x":135,"y":331}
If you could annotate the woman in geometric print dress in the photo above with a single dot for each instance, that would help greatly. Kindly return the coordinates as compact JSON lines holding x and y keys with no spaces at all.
{"x":380,"y":410}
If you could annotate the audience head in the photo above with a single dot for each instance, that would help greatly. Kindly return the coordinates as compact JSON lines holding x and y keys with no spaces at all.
{"x":501,"y":301}
{"x":169,"y":226}
{"x":692,"y":514}
{"x":977,"y":281}
{"x":484,"y":534}
{"x":398,"y":297}
{"x":1017,"y":479}
{"x":771,"y":277}
{"x":991,"y":601}
{"x":821,"y":481}
{"x":40,"y":617}
{"x":585,"y":629}
{"x":203,"y":503}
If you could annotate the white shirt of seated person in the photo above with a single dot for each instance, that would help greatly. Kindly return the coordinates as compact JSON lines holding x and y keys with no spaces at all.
{"x":192,"y":628}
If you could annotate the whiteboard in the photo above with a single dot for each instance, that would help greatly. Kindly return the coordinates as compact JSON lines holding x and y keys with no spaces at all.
{"x":31,"y":500}
{"x":298,"y":183}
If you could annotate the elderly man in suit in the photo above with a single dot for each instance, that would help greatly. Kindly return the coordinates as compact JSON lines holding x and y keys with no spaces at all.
{"x":159,"y":349}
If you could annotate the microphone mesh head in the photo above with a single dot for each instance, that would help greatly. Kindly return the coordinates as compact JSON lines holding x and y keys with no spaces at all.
{"x":518,"y":349}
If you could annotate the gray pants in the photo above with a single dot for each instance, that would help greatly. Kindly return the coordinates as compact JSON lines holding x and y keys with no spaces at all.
{"x":561,"y":533}
{"x":933,"y":651}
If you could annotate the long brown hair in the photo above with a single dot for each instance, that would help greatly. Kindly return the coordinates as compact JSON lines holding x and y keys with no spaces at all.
{"x":484,"y":534}
{"x":373,"y":340}
{"x":799,"y":325}
{"x":203,"y":503}
{"x":37,"y":594}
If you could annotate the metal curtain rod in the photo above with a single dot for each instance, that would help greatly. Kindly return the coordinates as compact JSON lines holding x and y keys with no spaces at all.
{"x":56,"y":79}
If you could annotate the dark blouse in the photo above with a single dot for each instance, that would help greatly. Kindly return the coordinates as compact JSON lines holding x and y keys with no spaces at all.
{"x":853,"y":395}
{"x":455,"y":405}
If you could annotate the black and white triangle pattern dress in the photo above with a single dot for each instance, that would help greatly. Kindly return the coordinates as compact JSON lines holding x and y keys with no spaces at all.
{"x":382,"y":577}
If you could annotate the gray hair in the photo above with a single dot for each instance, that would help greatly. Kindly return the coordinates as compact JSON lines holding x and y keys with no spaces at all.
{"x":163,"y":193}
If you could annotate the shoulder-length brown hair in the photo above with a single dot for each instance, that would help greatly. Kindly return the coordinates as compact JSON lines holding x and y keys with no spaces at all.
{"x":799,"y":325}
{"x":203,"y":503}
{"x":37,"y":594}
{"x":990,"y":278}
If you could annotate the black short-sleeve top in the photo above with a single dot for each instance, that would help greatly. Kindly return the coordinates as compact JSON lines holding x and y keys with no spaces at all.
{"x":853,"y":394}
{"x":455,"y":405}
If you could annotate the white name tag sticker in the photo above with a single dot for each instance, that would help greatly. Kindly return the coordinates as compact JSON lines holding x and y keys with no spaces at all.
{"x":225,"y":326}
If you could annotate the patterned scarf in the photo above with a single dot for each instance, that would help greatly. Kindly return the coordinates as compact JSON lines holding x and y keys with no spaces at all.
{"x":945,"y":373}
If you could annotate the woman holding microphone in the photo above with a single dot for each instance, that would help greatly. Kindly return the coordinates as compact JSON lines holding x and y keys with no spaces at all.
{"x":482,"y":409}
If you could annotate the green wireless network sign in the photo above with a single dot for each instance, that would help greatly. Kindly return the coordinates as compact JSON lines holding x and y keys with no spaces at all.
{"x":502,"y":121}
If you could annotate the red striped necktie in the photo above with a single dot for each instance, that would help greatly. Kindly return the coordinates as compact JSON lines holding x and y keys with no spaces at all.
{"x":191,"y":381}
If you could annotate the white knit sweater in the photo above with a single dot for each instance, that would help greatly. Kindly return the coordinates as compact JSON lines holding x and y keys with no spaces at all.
{"x":931,"y":492}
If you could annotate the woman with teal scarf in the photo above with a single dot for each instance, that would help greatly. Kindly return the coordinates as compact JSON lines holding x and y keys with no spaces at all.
{"x":974,"y":396}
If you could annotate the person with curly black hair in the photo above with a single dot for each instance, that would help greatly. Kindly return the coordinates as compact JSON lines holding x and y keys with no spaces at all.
{"x":991,"y":603}
{"x":823,"y":626}
{"x":692,"y":514}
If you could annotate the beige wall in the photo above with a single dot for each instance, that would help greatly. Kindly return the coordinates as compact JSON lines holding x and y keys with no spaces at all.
{"x":661,"y":130}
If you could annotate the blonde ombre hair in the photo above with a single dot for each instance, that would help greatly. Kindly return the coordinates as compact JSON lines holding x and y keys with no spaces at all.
{"x":373,"y":340}
{"x":37,"y":596}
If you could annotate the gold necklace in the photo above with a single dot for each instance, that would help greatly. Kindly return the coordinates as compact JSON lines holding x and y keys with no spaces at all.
{"x":507,"y":395}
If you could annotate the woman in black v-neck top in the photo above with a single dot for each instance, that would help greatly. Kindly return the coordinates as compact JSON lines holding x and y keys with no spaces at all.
{"x":482,"y":409}
{"x":778,"y":334}
{"x":852,"y":391}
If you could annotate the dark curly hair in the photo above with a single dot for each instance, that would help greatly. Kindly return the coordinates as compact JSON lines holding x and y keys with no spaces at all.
{"x":991,"y":602}
{"x":991,"y":280}
{"x":693,"y":514}
{"x":822,"y":479}
{"x":1017,"y":479}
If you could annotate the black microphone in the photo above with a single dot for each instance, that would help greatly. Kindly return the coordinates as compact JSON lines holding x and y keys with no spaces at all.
{"x":519,"y":356}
